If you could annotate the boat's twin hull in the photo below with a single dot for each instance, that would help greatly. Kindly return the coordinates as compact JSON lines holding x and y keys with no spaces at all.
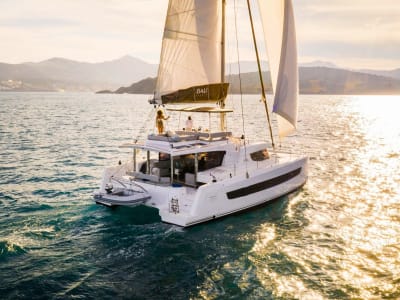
{"x":187,"y":206}
{"x":219,"y":199}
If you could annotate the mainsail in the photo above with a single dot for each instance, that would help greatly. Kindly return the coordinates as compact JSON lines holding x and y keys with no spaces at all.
{"x":191,"y":56}
{"x":191,"y":62}
{"x":280,"y":38}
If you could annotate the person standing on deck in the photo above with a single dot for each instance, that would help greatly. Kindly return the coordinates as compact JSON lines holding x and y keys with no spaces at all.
{"x":160,"y":121}
{"x":189,"y":124}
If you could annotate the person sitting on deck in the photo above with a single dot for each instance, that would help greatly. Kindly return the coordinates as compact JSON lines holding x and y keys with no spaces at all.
{"x":160,"y":121}
{"x":189,"y":124}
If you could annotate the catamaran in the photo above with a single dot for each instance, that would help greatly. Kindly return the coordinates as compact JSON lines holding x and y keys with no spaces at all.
{"x":197,"y":176}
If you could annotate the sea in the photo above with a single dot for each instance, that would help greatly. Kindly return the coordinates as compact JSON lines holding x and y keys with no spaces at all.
{"x":338,"y":237}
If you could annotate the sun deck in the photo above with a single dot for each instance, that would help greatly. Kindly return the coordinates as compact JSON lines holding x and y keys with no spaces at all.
{"x":180,"y":141}
{"x":184,"y":136}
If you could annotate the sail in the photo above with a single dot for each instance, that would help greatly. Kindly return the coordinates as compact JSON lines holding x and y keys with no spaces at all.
{"x":191,"y":49}
{"x":200,"y":93}
{"x":280,"y":38}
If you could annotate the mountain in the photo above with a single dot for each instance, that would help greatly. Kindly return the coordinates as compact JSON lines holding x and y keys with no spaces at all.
{"x":63,"y":74}
{"x":313,"y":80}
{"x":60,"y":74}
{"x":145,"y":86}
{"x":319,"y":63}
{"x":392,"y":73}
{"x":322,"y":80}
{"x":247,"y":66}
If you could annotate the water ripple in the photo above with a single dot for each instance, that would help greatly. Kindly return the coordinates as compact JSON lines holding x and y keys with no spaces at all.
{"x":8,"y":250}
{"x":336,"y":238}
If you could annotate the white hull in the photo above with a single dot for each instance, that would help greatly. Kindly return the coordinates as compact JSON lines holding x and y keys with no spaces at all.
{"x":211,"y":201}
{"x":237,"y":185}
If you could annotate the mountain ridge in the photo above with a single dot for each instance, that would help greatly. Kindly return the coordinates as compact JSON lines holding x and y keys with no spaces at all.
{"x":64,"y":74}
{"x":133,"y":75}
{"x":313,"y":80}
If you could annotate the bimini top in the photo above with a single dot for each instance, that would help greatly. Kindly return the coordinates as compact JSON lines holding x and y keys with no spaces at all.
{"x":203,"y":109}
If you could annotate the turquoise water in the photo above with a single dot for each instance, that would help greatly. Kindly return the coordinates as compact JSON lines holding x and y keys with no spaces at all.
{"x":336,"y":238}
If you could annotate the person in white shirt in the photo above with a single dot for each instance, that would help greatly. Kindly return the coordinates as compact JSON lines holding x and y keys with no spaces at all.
{"x":189,"y":124}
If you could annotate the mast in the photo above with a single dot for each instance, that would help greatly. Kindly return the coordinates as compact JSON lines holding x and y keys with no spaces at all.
{"x":264,"y":98}
{"x":223,"y":42}
{"x":222,"y":103}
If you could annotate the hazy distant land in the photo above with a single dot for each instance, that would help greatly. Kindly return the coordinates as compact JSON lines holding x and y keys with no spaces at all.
{"x":132,"y":75}
{"x":60,"y":74}
{"x":313,"y":80}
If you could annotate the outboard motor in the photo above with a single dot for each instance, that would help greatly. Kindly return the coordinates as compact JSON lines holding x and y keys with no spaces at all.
{"x":109,"y":187}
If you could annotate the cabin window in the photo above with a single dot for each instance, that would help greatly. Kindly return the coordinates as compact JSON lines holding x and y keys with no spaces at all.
{"x":184,"y":163}
{"x":142,"y":168}
{"x":163,"y":156}
{"x":260,"y":155}
{"x":209,"y":160}
{"x":163,"y":163}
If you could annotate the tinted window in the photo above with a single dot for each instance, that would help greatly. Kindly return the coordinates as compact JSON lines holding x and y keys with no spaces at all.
{"x":163,"y":156}
{"x":208,"y":160}
{"x":260,"y":155}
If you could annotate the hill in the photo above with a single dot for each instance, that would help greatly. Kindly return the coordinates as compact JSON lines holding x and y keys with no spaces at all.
{"x":62,"y":74}
{"x":313,"y":80}
{"x":322,"y":80}
{"x":391,"y":73}
{"x":145,"y":86}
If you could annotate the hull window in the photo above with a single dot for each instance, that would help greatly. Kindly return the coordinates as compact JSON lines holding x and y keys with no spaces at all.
{"x":263,"y":185}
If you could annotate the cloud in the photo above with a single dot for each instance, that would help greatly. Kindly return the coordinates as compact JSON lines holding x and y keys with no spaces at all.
{"x":359,"y":30}
{"x":98,"y":30}
{"x":91,"y":30}
{"x":36,"y":22}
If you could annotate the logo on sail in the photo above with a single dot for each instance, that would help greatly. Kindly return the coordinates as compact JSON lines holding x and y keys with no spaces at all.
{"x":201,"y":91}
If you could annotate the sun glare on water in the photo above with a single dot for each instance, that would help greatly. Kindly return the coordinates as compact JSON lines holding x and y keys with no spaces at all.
{"x":349,"y":227}
{"x":381,"y":116}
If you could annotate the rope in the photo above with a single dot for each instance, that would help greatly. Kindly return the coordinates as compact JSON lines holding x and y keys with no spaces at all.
{"x":240,"y":89}
{"x":179,"y":121}
{"x":166,"y":120}
{"x":145,"y":124}
{"x":230,"y":76}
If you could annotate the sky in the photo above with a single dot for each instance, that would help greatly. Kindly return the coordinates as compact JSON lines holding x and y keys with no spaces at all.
{"x":355,"y":34}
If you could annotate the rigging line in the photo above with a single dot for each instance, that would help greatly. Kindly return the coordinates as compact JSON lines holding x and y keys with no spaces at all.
{"x":240,"y":89}
{"x":229,"y":47}
{"x":166,"y":120}
{"x":223,"y":123}
{"x":193,"y":10}
{"x":116,"y":171}
{"x":172,"y":61}
{"x":146,"y":122}
{"x":189,"y":34}
{"x":264,"y":98}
